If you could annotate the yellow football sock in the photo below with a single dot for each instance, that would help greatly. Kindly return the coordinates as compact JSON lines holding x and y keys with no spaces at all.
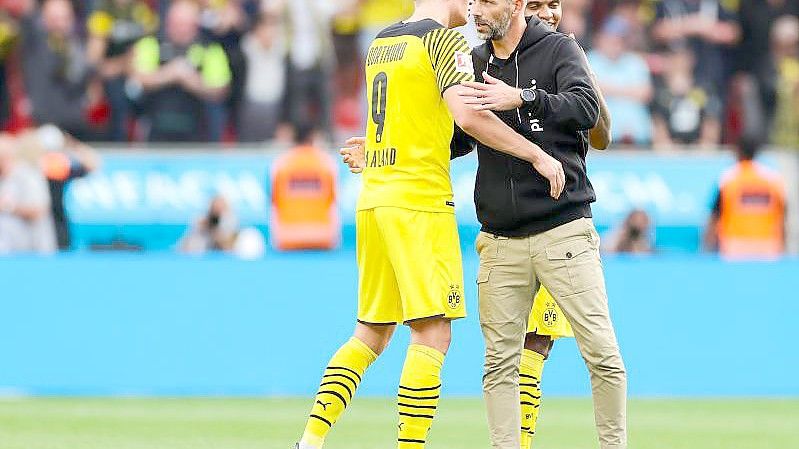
{"x":339,"y":382}
{"x":530,"y":372}
{"x":417,"y":399}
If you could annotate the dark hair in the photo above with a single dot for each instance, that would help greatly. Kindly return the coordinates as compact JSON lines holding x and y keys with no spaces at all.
{"x":748,"y":147}
{"x":304,"y":132}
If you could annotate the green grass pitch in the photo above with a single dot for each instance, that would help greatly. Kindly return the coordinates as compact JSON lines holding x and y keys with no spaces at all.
{"x":69,"y":423}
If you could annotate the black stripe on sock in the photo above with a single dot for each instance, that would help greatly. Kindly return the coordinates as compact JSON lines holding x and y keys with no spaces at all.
{"x":346,"y":369}
{"x":528,"y":385}
{"x":406,"y":440}
{"x":419,"y":398}
{"x":525,"y":429}
{"x":322,"y":419}
{"x":354,"y":383}
{"x":411,"y":415}
{"x":528,"y":403}
{"x":421,"y":389}
{"x":531,"y":395}
{"x":335,"y":382}
{"x":430,"y":407}
{"x":336,"y":394}
{"x":528,"y":376}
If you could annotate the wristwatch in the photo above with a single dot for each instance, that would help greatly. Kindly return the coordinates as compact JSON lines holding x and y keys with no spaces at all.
{"x":528,"y":96}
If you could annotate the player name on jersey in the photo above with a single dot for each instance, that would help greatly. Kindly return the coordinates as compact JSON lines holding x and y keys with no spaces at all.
{"x":381,"y":158}
{"x":382,"y":54}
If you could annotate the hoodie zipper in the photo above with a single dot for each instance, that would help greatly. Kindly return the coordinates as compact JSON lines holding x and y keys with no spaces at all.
{"x":513,"y":202}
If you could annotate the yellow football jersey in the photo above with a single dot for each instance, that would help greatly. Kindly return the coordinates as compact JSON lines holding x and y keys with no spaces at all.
{"x":408,"y":68}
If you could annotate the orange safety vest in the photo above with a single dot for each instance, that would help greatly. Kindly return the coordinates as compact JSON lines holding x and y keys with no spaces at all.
{"x":752,"y":212}
{"x":304,"y":213}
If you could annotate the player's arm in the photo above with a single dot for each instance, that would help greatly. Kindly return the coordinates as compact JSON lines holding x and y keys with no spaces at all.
{"x":494,"y":133}
{"x":599,"y":136}
{"x":451,"y":58}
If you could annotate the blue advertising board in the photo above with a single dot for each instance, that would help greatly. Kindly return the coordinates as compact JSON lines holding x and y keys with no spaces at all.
{"x":152,"y":197}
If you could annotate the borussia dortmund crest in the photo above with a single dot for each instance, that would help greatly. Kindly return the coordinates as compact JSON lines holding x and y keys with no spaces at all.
{"x":454,"y":297}
{"x":550,"y":315}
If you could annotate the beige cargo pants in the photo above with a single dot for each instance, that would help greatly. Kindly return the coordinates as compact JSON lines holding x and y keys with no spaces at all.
{"x":566,"y":261}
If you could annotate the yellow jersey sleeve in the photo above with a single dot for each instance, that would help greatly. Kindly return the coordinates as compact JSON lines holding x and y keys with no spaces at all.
{"x":451,"y":57}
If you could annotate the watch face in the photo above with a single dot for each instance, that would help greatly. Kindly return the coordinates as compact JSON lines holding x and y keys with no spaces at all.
{"x":528,"y":95}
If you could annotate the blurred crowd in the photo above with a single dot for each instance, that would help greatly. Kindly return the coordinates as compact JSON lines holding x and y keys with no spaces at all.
{"x":675,"y":72}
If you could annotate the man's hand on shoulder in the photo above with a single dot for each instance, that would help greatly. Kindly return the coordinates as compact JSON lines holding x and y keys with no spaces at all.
{"x":352,"y":154}
{"x":493,"y":95}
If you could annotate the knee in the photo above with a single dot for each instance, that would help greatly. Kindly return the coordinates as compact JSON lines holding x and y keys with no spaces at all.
{"x":376,"y":337}
{"x":435,"y":333}
{"x":606,"y":362}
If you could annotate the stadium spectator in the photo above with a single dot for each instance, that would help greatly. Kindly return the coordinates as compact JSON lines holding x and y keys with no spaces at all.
{"x":754,"y":54}
{"x":225,"y":22}
{"x":265,"y":80}
{"x":62,"y":159}
{"x":634,"y":236}
{"x":114,"y":27}
{"x":748,"y":218}
{"x":709,"y":28}
{"x":180,"y":75}
{"x":625,"y":81}
{"x":55,"y":67}
{"x":304,"y":213}
{"x":785,"y":66}
{"x":347,"y":81}
{"x":8,"y":36}
{"x":310,"y":62}
{"x":575,"y":21}
{"x":682,"y":111}
{"x":26,"y":225}
{"x":215,"y":231}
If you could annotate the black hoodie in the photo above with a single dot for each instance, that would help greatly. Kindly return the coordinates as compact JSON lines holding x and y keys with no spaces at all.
{"x":512,"y":199}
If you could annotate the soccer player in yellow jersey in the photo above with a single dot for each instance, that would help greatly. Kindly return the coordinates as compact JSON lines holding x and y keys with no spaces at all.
{"x":407,"y":241}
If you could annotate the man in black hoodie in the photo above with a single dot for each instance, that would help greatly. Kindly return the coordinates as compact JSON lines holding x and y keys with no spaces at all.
{"x":531,"y":240}
{"x":527,"y":240}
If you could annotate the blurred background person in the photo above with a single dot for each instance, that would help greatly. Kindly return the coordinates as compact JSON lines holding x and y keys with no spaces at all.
{"x":749,"y":212}
{"x":304,"y":213}
{"x":754,"y":54}
{"x":575,"y":21}
{"x":709,"y":28}
{"x":625,"y":81}
{"x":26,"y":224}
{"x":55,"y":67}
{"x":8,"y":37}
{"x":225,"y":22}
{"x":684,"y":112}
{"x":264,"y":81}
{"x":347,"y":79}
{"x":63,"y":159}
{"x":785,"y":70}
{"x":214,"y":231}
{"x":633,"y":236}
{"x":113,"y":28}
{"x":180,"y":75}
{"x":310,"y":61}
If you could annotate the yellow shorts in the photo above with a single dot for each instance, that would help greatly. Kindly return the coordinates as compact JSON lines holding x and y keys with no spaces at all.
{"x":409,"y":266}
{"x":546,"y":318}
